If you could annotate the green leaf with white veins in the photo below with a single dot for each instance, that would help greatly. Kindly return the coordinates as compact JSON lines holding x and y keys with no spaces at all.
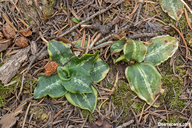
{"x":63,"y":73}
{"x":84,"y":101}
{"x":49,"y":86}
{"x":86,"y":61}
{"x":161,"y":48}
{"x":174,"y":8}
{"x":59,"y":52}
{"x":117,"y":46}
{"x":79,"y":81}
{"x":100,"y":71}
{"x":135,"y":50}
{"x":144,"y":80}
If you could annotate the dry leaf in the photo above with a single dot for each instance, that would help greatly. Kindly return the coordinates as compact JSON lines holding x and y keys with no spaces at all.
{"x":25,"y":32}
{"x":4,"y":44}
{"x":9,"y":120}
{"x":100,"y":124}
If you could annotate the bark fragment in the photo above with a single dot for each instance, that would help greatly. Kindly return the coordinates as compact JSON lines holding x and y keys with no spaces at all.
{"x":11,"y":67}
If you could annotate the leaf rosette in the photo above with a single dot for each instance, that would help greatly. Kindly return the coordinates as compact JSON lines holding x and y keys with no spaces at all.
{"x":74,"y":79}
{"x":143,"y":77}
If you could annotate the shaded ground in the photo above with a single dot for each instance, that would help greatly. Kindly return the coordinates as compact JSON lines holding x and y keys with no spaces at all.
{"x":49,"y":19}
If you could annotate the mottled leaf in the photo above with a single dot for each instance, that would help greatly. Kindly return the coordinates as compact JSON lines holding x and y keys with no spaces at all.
{"x":79,"y":81}
{"x":144,"y":80}
{"x":117,"y":46}
{"x":135,"y":50}
{"x":59,"y":52}
{"x":161,"y":48}
{"x":86,"y":61}
{"x":84,"y":101}
{"x":174,"y":8}
{"x":49,"y":86}
{"x":100,"y":71}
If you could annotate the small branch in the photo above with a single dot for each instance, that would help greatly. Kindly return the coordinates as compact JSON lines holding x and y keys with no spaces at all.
{"x":186,"y":6}
{"x":126,"y":124}
{"x":139,"y":10}
{"x":89,"y":18}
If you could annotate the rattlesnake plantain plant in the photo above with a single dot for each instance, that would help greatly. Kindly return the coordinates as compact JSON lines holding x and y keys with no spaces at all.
{"x":74,"y":79}
{"x":143,"y":77}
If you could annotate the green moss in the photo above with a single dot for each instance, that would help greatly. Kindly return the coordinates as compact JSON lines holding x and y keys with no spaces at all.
{"x":5,"y":92}
{"x":173,"y":85}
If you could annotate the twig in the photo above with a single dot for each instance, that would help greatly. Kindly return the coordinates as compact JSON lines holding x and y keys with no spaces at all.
{"x":183,"y":40}
{"x":152,"y":102}
{"x":186,"y":6}
{"x":26,"y":115}
{"x":142,"y":35}
{"x":139,"y":10}
{"x":187,"y":18}
{"x":89,"y":18}
{"x":126,"y":124}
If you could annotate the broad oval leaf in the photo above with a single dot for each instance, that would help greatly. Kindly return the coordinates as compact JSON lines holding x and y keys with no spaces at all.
{"x":86,"y":61}
{"x":85,"y":101}
{"x":144,"y":80}
{"x":174,"y":8}
{"x":135,"y":50}
{"x":63,"y":73}
{"x":80,"y":81}
{"x":117,"y":46}
{"x":49,"y":86}
{"x":100,"y":71}
{"x":161,"y":48}
{"x":58,"y":51}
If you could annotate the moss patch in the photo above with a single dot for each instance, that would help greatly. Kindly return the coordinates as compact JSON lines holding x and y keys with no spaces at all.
{"x":173,"y":85}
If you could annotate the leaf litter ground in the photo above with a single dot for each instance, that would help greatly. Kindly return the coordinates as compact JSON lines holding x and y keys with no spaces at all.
{"x":105,"y":20}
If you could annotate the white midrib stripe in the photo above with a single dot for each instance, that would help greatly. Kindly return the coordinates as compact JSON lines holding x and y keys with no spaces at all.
{"x":50,"y":86}
{"x":134,"y":50}
{"x":155,"y":51}
{"x":146,"y":82}
{"x":59,"y":53}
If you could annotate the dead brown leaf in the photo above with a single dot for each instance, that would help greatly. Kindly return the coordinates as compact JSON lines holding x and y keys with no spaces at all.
{"x":100,"y":124}
{"x":4,"y":44}
{"x":25,"y":32}
{"x":10,"y":119}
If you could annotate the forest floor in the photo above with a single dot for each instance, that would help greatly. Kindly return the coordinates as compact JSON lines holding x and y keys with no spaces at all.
{"x":70,"y":21}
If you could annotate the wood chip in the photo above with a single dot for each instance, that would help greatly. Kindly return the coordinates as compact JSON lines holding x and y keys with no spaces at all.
{"x":11,"y":67}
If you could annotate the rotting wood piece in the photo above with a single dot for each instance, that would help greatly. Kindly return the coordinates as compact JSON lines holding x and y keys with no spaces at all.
{"x":10,"y":68}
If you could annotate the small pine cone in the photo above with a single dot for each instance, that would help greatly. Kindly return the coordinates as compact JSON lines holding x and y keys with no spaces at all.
{"x":51,"y":68}
{"x":8,"y":31}
{"x":21,"y":42}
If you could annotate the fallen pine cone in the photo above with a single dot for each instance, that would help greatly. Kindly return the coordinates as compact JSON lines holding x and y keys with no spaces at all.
{"x":21,"y":41}
{"x":8,"y":31}
{"x":51,"y":68}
